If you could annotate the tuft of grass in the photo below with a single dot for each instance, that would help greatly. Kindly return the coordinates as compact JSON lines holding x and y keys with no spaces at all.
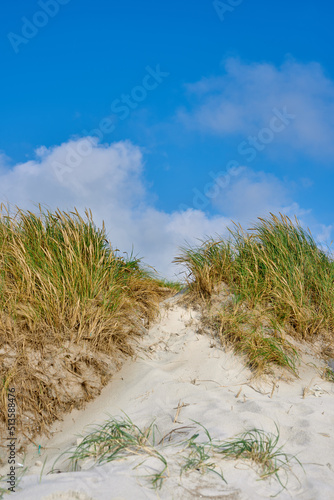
{"x":262,"y":346}
{"x":70,"y":306}
{"x":261,"y":448}
{"x":20,"y":471}
{"x":200,"y":455}
{"x":116,"y":439}
{"x":174,"y":286}
{"x":119,"y":438}
{"x":207,"y":265}
{"x":328,"y":374}
{"x":3,"y":490}
{"x":276,"y":266}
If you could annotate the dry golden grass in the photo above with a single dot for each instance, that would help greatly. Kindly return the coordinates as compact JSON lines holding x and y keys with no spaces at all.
{"x":277,"y":268}
{"x":71,"y":308}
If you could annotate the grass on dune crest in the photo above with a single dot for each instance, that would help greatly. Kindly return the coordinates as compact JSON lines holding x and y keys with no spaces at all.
{"x":276,"y":271}
{"x":65,"y":294}
{"x":263,"y":344}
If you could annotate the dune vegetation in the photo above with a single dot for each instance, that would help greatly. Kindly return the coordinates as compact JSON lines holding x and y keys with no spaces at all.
{"x":71,"y":308}
{"x":262,"y":287}
{"x":119,"y":438}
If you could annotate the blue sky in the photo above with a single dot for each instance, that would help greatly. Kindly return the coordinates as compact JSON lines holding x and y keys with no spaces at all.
{"x":169,"y":119}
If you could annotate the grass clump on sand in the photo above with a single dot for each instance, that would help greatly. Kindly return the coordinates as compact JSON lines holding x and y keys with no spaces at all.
{"x":328,"y":374}
{"x":116,"y":439}
{"x":261,"y":448}
{"x":200,"y":455}
{"x":280,"y":280}
{"x":70,"y":307}
{"x":119,"y":438}
{"x":4,"y":485}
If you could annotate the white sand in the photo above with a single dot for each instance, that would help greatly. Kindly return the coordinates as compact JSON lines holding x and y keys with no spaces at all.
{"x":186,"y":368}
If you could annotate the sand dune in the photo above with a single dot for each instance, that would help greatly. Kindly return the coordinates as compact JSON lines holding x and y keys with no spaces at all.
{"x":180,"y":376}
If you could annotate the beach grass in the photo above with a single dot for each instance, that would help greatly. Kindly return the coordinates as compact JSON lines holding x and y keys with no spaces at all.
{"x":262,"y":345}
{"x":260,"y":448}
{"x":278,"y":276}
{"x":4,"y":488}
{"x":119,"y":438}
{"x":116,"y":439}
{"x":69,"y":304}
{"x":200,"y":456}
{"x":4,"y":485}
{"x":328,"y":374}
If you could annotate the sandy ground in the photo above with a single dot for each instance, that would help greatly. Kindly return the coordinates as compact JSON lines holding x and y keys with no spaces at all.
{"x":180,"y":376}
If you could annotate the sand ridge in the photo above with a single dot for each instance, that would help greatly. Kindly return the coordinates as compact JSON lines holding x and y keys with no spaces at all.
{"x":179,"y":376}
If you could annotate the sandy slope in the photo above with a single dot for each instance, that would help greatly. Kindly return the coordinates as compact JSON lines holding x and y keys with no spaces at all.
{"x":178,"y":367}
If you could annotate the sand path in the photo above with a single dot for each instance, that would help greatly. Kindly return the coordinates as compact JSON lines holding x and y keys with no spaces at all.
{"x":179,"y":376}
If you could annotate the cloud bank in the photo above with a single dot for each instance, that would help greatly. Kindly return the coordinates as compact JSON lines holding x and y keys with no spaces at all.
{"x":249,"y":100}
{"x":109,"y":181}
{"x":242,"y":100}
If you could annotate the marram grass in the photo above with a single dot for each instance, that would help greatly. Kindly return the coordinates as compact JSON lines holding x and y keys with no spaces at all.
{"x":276,"y":268}
{"x":66,"y":299}
{"x":119,"y":438}
{"x":260,"y":448}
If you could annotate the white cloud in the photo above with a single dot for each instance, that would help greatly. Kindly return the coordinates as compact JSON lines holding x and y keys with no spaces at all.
{"x":252,"y":193}
{"x":109,"y":181}
{"x":241,"y":101}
